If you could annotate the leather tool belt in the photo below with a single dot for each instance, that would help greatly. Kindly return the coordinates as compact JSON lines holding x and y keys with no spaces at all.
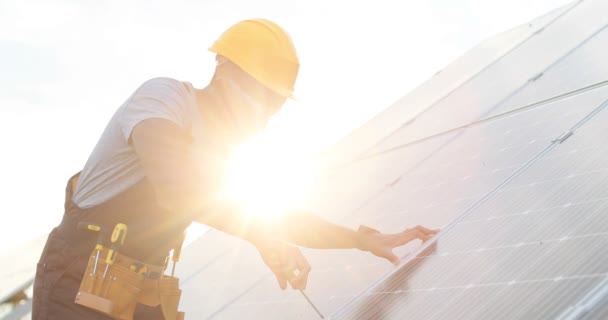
{"x":126,"y":283}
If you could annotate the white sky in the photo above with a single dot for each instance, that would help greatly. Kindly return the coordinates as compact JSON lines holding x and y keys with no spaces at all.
{"x":66,"y":66}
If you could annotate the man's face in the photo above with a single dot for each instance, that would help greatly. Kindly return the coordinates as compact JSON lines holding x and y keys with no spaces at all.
{"x":252,"y":106}
{"x":248,"y":104}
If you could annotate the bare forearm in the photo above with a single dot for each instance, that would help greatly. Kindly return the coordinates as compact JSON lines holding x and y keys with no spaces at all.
{"x":302,"y":229}
{"x":227,"y":219}
{"x":311,"y":231}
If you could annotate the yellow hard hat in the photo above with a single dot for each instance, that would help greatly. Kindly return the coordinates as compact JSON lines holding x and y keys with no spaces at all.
{"x":264,"y":50}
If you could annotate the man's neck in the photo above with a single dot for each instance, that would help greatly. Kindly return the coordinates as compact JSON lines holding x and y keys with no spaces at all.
{"x":210,"y":105}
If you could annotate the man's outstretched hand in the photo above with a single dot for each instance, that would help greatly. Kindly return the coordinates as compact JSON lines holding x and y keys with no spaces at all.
{"x":382,"y":245}
{"x":290,"y":266}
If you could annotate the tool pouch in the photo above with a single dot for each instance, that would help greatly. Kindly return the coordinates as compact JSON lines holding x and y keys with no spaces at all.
{"x":116,"y":294}
{"x":164,"y":292}
{"x":169,"y":294}
{"x":149,"y":295}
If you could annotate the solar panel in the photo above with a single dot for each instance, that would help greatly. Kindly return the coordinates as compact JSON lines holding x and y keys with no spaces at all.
{"x":528,"y":257}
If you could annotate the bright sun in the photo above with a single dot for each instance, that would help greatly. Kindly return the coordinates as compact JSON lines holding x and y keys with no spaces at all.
{"x":267,"y":177}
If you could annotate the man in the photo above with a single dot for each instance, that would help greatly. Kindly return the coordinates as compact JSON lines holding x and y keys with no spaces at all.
{"x":158,"y":165}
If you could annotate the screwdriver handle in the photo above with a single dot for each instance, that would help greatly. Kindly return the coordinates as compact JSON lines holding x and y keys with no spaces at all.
{"x":95,"y":228}
{"x":177,"y":251}
{"x":119,"y":234}
{"x":88,"y":226}
{"x":118,"y":238}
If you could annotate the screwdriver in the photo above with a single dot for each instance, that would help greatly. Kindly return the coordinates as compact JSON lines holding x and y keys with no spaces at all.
{"x":99,"y":244}
{"x":274,"y":259}
{"x":118,"y":239}
{"x":177,"y":251}
{"x":312,"y":304}
{"x":294,"y":273}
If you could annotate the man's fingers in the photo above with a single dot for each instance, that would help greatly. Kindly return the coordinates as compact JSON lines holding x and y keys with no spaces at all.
{"x":301,"y":278}
{"x":289,"y":266}
{"x":426,"y":231}
{"x":281,"y":280}
{"x":423,"y":230}
{"x":390,"y":256}
{"x":410,"y":235}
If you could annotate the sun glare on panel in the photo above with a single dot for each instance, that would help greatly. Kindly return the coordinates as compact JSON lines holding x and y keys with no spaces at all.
{"x":266,"y":179}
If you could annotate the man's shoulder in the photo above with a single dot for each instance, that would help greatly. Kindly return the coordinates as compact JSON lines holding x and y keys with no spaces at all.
{"x":162,"y":86}
{"x":162,"y":81}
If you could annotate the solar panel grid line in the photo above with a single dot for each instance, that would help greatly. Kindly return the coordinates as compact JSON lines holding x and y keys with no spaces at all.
{"x":524,"y":244}
{"x":527,"y":212}
{"x":475,"y":75}
{"x":491,"y":118}
{"x":579,"y":167}
{"x":462,"y":311}
{"x":546,"y":303}
{"x":526,"y":216}
{"x":546,"y":181}
{"x":497,"y":311}
{"x":548,"y":264}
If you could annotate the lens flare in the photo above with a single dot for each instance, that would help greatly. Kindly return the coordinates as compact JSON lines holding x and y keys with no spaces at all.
{"x":266,"y":178}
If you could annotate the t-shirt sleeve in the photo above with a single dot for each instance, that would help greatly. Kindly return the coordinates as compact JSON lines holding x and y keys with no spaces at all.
{"x":158,"y":98}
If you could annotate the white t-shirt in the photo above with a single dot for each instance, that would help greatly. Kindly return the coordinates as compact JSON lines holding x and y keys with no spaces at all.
{"x":113,"y":166}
